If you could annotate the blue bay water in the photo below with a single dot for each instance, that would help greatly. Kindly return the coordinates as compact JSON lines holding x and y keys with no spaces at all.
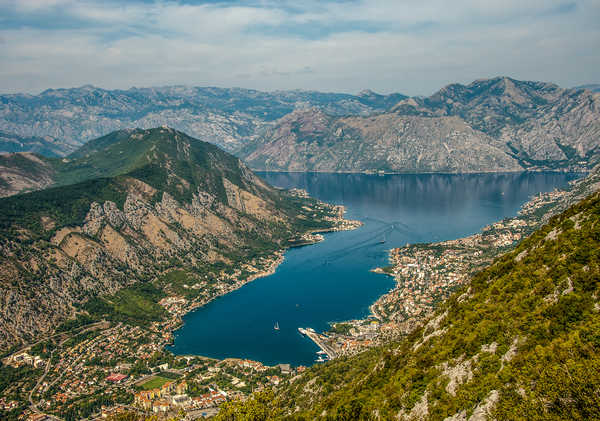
{"x":331,"y":280}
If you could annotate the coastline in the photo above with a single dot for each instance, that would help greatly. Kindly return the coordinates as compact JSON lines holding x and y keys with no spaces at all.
{"x":311,"y":237}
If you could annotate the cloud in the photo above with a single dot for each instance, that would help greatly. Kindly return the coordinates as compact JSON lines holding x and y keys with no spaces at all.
{"x":409,"y":46}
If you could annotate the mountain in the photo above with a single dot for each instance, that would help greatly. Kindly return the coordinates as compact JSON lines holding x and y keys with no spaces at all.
{"x":138,"y":206}
{"x":67,"y":118}
{"x":20,"y":172}
{"x":498,"y":124}
{"x":519,"y":342}
{"x":595,"y":87}
{"x":310,"y":140}
{"x":46,"y":146}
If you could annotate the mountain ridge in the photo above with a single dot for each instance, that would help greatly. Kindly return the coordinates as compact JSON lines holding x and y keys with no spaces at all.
{"x":531,"y":125}
{"x":224,"y":116}
{"x":173,"y":203}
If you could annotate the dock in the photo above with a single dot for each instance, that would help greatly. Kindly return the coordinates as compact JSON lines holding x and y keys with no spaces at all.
{"x":320,"y":341}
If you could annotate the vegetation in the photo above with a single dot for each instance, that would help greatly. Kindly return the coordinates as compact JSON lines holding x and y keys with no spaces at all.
{"x":524,"y":338}
{"x":137,"y":304}
{"x":154,"y":383}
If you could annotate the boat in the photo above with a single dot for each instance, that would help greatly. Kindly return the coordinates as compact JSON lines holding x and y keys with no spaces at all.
{"x":382,"y":240}
{"x":302,"y":331}
{"x":321,"y":352}
{"x":276,"y":326}
{"x":320,"y":360}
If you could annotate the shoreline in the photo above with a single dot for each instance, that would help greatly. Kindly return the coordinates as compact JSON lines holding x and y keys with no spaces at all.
{"x":315,"y":237}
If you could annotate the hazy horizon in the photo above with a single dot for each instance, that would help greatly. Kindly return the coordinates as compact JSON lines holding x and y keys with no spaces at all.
{"x":410,"y":47}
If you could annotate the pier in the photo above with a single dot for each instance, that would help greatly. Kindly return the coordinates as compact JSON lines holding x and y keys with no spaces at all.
{"x":320,"y":341}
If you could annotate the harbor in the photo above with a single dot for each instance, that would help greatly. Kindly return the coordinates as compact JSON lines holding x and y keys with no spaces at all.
{"x":321,"y":341}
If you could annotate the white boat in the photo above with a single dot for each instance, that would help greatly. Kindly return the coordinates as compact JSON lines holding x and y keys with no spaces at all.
{"x":321,"y":352}
{"x":302,"y":331}
{"x":320,"y":360}
{"x":276,"y":326}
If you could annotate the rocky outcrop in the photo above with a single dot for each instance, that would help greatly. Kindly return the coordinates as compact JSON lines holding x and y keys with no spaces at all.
{"x":21,"y":172}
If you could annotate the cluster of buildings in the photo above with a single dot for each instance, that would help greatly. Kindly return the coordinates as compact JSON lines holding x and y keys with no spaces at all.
{"x":24,"y":358}
{"x":163,"y":398}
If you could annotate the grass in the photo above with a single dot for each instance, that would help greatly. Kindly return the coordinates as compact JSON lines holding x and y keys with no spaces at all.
{"x":154,"y":383}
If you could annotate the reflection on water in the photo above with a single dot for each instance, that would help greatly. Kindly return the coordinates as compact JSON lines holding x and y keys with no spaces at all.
{"x":330,"y":281}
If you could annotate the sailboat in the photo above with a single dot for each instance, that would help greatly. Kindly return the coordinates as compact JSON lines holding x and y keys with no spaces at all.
{"x":276,"y":326}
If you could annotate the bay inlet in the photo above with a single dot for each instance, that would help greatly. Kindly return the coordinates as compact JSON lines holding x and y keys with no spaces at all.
{"x":331,"y":281}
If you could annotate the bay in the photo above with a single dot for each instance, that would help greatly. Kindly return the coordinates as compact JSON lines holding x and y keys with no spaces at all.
{"x":331,"y":280}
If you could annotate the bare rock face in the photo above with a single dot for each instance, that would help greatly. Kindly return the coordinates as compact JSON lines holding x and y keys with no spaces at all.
{"x":312,"y":141}
{"x":498,"y":124}
{"x":20,"y":172}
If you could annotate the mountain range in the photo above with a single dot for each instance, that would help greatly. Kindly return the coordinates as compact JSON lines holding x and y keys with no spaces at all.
{"x":489,"y":125}
{"x":67,"y":118}
{"x":125,"y":211}
{"x":498,"y":124}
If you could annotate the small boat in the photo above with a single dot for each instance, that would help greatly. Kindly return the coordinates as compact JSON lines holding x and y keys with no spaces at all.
{"x":276,"y":326}
{"x":302,"y":331}
{"x":320,"y":360}
{"x":382,"y":240}
{"x":321,"y":352}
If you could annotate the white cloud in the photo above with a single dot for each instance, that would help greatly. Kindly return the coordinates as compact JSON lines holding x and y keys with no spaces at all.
{"x":409,"y":46}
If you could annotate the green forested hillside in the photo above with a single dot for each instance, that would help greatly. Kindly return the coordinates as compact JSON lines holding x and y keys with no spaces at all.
{"x":134,"y":206}
{"x":522,"y":342}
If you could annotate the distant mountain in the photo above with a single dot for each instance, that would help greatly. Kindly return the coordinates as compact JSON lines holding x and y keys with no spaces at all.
{"x":595,"y":87}
{"x":498,"y":124}
{"x":309,"y":140}
{"x":519,"y":342}
{"x":21,"y":172}
{"x":67,"y":118}
{"x":135,"y":205}
{"x":46,"y":146}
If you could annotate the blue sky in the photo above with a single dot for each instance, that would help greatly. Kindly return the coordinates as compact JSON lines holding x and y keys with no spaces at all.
{"x":409,"y":46}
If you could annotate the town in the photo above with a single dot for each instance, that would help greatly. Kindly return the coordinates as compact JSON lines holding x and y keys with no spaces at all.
{"x":104,"y":367}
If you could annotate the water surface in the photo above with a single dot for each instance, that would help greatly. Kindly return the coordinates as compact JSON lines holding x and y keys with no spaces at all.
{"x":330,"y":281}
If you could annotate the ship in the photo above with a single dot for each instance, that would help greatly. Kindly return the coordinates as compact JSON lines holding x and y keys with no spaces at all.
{"x":302,"y":331}
{"x":276,"y":326}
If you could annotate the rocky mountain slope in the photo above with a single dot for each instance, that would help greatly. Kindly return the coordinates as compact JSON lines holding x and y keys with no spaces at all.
{"x":46,"y":145}
{"x":519,"y":342}
{"x":310,"y":140}
{"x":142,"y":204}
{"x":595,"y":87}
{"x":20,"y":172}
{"x":498,"y":124}
{"x":67,"y":118}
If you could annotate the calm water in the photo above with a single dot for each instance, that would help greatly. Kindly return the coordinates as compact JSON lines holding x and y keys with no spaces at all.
{"x":330,"y":281}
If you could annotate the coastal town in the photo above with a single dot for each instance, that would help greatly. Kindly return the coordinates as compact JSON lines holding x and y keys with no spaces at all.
{"x":426,"y":274}
{"x":102,"y":368}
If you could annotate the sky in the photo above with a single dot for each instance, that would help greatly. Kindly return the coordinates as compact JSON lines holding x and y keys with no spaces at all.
{"x":410,"y":46}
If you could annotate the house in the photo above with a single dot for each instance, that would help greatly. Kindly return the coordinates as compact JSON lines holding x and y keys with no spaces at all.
{"x":181,"y":400}
{"x":285,"y":368}
{"x":161,"y":406}
{"x":181,"y":388}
